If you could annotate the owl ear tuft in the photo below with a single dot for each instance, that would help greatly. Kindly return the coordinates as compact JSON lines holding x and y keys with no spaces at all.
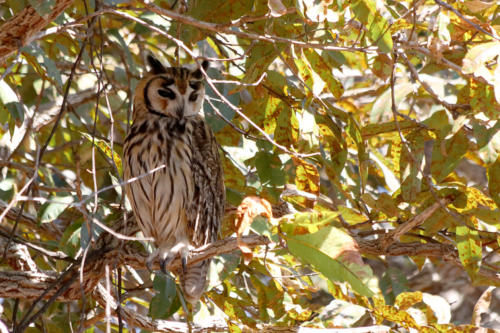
{"x":155,"y":65}
{"x":197,"y":74}
{"x":205,"y":64}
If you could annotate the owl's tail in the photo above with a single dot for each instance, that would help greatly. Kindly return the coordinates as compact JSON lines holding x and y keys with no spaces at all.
{"x":194,"y":280}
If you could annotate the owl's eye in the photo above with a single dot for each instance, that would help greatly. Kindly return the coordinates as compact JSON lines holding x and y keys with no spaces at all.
{"x":195,"y":85}
{"x":167,"y":93}
{"x":193,"y":97}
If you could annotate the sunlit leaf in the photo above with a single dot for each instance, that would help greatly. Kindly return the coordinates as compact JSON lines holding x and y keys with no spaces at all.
{"x":106,"y":149}
{"x":335,"y":254}
{"x":494,"y":181}
{"x":377,"y":26}
{"x":306,"y":178}
{"x":324,"y":71}
{"x":382,"y":107}
{"x":469,"y":249}
{"x":307,"y":223}
{"x":447,"y":154}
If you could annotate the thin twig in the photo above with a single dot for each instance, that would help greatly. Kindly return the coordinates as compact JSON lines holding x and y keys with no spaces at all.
{"x":425,"y":85}
{"x":220,"y":28}
{"x":462,"y":16}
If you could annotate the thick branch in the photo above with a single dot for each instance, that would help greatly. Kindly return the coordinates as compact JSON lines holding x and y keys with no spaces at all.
{"x":19,"y":30}
{"x":31,"y":284}
{"x":138,"y":259}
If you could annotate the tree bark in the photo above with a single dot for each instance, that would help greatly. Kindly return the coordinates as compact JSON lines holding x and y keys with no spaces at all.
{"x":20,"y":29}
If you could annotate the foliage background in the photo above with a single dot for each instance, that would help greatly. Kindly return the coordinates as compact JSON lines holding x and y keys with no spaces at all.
{"x":370,"y":126}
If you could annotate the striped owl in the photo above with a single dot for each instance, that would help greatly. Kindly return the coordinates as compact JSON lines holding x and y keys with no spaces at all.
{"x":180,"y":203}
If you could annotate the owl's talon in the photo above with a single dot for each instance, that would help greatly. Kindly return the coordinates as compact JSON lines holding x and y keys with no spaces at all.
{"x":184,"y":265}
{"x":149,"y":266}
{"x":165,"y":262}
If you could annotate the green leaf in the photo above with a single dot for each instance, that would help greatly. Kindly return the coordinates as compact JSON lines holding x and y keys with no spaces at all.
{"x":51,"y":210}
{"x":313,"y":81}
{"x":308,"y":223}
{"x":274,"y":107}
{"x":43,"y":8}
{"x":354,"y":132}
{"x":439,"y":122}
{"x":382,"y":66}
{"x":269,"y":168}
{"x":106,"y":149}
{"x":9,"y":102}
{"x":484,"y":98}
{"x":494,"y":181}
{"x":52,"y":70}
{"x":215,"y":122}
{"x":324,"y":71}
{"x":446,"y":154}
{"x":165,"y":302}
{"x":16,"y":110}
{"x":262,"y":55}
{"x":287,"y":127}
{"x":410,"y":163}
{"x":306,"y":176}
{"x":220,"y":11}
{"x":392,"y":284}
{"x":70,"y":240}
{"x":469,"y":249}
{"x":378,"y":28}
{"x":85,"y":236}
{"x":269,"y":297}
{"x":330,"y":250}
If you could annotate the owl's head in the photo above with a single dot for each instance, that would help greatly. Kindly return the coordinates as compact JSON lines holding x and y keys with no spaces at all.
{"x":170,"y":91}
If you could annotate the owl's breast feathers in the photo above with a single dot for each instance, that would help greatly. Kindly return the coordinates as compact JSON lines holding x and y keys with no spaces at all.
{"x":159,"y":151}
{"x":186,"y":192}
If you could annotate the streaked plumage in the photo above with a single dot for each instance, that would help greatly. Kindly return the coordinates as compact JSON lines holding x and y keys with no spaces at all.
{"x":180,"y":205}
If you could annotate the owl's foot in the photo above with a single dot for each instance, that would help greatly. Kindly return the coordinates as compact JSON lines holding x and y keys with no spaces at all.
{"x":181,"y":249}
{"x":165,"y":262}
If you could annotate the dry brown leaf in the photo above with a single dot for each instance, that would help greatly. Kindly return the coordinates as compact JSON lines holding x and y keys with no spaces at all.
{"x":276,"y":8}
{"x":350,"y":252}
{"x":482,"y":306}
{"x":249,"y":208}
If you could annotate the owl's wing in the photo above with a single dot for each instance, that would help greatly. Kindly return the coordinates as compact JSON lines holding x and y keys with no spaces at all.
{"x":207,"y":210}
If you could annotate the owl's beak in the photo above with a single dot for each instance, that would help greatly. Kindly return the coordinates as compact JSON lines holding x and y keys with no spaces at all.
{"x":179,"y":112}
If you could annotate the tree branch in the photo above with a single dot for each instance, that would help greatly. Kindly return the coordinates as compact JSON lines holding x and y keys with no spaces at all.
{"x":19,"y":30}
{"x":228,"y":29}
{"x":402,"y":229}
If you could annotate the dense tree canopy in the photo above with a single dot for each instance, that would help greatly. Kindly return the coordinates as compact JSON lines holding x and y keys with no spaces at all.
{"x":360,"y":147}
